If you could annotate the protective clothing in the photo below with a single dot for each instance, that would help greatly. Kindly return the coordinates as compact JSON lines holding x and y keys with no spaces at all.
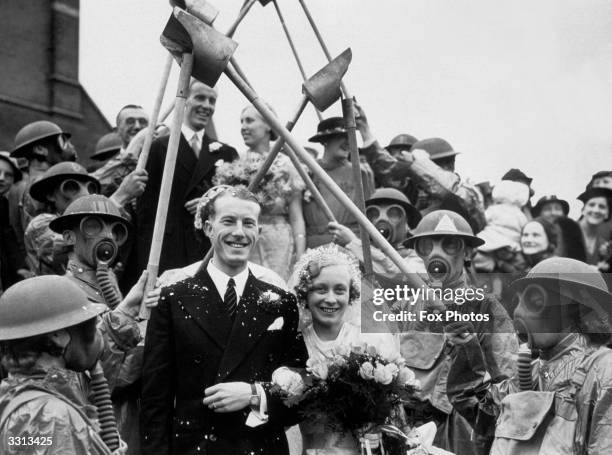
{"x":52,"y":408}
{"x":571,"y":409}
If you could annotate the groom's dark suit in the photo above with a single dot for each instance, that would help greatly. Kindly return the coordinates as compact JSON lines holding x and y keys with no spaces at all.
{"x":192,"y":344}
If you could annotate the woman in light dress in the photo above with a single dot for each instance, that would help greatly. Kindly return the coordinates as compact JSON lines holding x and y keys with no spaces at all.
{"x":282,"y":238}
{"x":327,"y":282}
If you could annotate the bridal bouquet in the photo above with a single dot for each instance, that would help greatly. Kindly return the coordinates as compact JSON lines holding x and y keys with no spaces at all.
{"x":356,"y":389}
{"x":275,"y":184}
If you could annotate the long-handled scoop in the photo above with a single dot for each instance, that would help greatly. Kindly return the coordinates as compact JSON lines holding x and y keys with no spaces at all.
{"x":348,"y":111}
{"x":206,"y":62}
{"x":186,"y":19}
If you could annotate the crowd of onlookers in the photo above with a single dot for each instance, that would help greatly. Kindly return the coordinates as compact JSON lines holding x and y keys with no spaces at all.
{"x":97,"y":227}
{"x":40,"y":177}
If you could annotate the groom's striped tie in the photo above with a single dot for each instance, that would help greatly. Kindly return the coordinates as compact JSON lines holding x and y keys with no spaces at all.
{"x":231,"y":299}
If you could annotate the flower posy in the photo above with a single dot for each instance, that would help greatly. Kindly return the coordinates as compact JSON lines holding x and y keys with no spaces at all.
{"x":270,"y":301}
{"x":214,"y":146}
{"x":288,"y":380}
{"x":318,"y":369}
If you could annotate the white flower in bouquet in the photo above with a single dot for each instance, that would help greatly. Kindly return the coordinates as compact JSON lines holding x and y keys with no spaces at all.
{"x":339,"y":360}
{"x":288,"y":380}
{"x":317,"y":369}
{"x":366,"y":370}
{"x":406,"y":376}
{"x":359,"y":347}
{"x":382,"y":375}
{"x":343,"y":350}
{"x":393,"y":369}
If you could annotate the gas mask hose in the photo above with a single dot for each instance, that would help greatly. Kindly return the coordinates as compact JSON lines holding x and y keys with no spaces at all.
{"x":524,"y":369}
{"x":109,"y":292}
{"x":106,"y":415}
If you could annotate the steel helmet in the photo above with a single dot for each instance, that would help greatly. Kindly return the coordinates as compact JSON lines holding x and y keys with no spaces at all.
{"x":33,"y":132}
{"x":107,"y":147}
{"x":94,"y":204}
{"x":393,"y":196}
{"x":444,"y":222}
{"x":436,"y":147}
{"x":568,"y":273}
{"x":57,"y":173}
{"x":402,"y":141}
{"x":43,"y":304}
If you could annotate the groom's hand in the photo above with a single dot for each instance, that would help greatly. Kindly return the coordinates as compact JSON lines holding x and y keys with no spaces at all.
{"x":228,"y":396}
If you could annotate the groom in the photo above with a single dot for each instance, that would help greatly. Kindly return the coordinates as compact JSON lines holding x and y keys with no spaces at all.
{"x":213,"y":342}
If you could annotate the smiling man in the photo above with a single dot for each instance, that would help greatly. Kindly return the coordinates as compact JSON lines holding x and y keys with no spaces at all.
{"x":195,"y":168}
{"x":213,"y":342}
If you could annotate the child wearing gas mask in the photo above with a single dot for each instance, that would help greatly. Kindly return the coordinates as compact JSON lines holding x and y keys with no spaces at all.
{"x":445,"y":242}
{"x":562,"y":402}
{"x":49,"y":334}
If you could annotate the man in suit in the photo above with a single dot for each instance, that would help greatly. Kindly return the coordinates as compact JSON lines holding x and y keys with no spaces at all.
{"x":213,"y":342}
{"x":195,"y":168}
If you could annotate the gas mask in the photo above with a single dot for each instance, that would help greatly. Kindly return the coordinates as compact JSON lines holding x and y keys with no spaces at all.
{"x":444,"y":257}
{"x":539,"y":311}
{"x":99,"y":240}
{"x":85,"y":346}
{"x":390,"y":220}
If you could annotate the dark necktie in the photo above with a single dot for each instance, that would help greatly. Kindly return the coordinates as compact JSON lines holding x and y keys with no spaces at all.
{"x":195,"y":144}
{"x":231,"y":299}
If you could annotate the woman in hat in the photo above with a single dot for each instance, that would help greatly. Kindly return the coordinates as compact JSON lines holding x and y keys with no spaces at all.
{"x":283,"y":237}
{"x":331,"y":133}
{"x":595,"y":212}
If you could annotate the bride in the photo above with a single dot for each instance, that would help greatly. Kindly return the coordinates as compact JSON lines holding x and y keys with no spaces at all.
{"x":327,"y":284}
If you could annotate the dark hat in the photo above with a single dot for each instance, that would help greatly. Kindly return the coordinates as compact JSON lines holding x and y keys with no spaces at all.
{"x":436,"y":147}
{"x":6,"y":156}
{"x":596,"y":192}
{"x":545,"y":200}
{"x":401,"y":141}
{"x":55,"y":175}
{"x":601,"y":174}
{"x":94,"y":204}
{"x":393,"y":196}
{"x":516,"y":175}
{"x":330,"y":127}
{"x":107,"y":147}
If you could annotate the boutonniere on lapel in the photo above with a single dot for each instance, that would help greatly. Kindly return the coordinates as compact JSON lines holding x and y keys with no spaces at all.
{"x":270,"y":302}
{"x":214,"y":147}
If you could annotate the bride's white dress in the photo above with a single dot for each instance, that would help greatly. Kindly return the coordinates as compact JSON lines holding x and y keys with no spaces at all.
{"x":315,"y":439}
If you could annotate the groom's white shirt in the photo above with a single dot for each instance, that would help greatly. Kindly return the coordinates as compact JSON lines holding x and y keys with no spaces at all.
{"x":220,"y":279}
